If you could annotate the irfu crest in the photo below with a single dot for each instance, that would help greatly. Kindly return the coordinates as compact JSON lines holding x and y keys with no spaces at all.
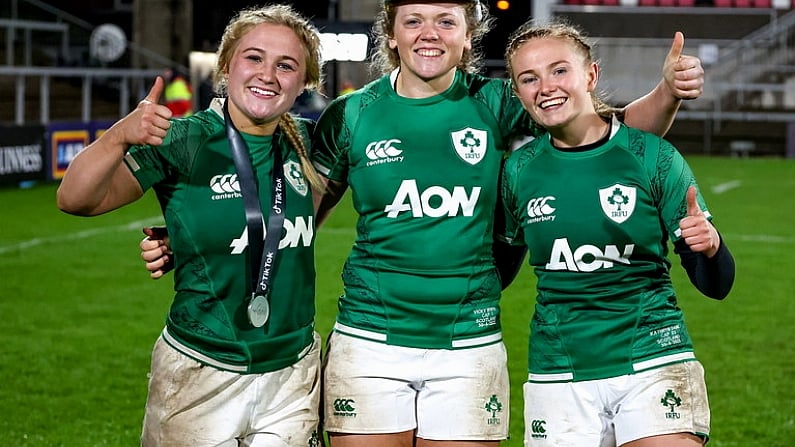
{"x":618,"y":202}
{"x":470,"y":144}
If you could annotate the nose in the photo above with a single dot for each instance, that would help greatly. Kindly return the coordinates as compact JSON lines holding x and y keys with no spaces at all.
{"x":267,"y":73}
{"x":429,"y":33}
{"x":547,"y":85}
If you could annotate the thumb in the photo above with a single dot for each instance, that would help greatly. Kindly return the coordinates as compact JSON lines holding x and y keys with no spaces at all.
{"x":676,"y":47}
{"x":157,"y":89}
{"x":692,"y":204}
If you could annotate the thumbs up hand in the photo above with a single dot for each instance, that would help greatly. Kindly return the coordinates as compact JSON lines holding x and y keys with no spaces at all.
{"x":697,"y":232}
{"x":148,"y":123}
{"x":683,"y":74}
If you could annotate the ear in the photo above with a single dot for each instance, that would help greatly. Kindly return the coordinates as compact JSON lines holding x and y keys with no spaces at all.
{"x":468,"y":43}
{"x":392,"y":43}
{"x":593,"y":76}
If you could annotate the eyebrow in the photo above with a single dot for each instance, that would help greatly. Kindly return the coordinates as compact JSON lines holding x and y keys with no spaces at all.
{"x":262,"y":51}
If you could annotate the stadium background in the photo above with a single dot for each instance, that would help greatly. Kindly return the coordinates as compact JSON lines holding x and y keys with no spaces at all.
{"x":79,"y":315}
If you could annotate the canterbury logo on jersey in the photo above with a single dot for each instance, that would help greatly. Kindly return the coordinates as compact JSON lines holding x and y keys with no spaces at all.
{"x":225,"y":186}
{"x":434,"y":201}
{"x":586,"y":258}
{"x":384,"y":151}
{"x":299,"y":231}
{"x":539,"y":209}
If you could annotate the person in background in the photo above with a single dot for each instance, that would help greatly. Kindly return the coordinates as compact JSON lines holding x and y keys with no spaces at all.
{"x":178,"y":93}
{"x":610,"y":360}
{"x":416,"y":357}
{"x":238,"y":362}
{"x":347,"y":87}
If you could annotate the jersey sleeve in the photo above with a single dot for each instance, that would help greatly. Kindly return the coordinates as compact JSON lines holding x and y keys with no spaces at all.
{"x":510,"y":230}
{"x":153,"y":164}
{"x":675,"y":177}
{"x":331,"y":141}
{"x":518,"y":123}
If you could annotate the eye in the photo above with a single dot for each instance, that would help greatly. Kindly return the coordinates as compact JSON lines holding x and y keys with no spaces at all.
{"x":285,"y":66}
{"x":528,"y":79}
{"x":256,"y":58}
{"x":560,"y":71}
{"x":411,"y":22}
{"x":447,"y":23}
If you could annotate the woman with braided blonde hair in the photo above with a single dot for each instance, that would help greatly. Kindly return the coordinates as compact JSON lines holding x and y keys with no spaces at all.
{"x":238,"y":362}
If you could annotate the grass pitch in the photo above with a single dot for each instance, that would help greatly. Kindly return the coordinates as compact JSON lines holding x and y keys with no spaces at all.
{"x":80,"y":315}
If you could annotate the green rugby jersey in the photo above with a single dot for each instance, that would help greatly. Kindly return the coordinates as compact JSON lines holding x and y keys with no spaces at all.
{"x":597,"y":225}
{"x":424,"y":180}
{"x":194,"y":178}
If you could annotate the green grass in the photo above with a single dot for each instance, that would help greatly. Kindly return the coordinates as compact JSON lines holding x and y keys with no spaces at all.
{"x":79,"y":314}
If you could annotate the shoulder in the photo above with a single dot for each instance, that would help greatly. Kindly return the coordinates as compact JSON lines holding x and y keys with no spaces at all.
{"x":485,"y":88}
{"x":646,"y":145}
{"x":343,"y":109}
{"x":526,"y":153}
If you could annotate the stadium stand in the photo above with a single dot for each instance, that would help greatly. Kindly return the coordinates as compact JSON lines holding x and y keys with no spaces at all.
{"x":745,"y":47}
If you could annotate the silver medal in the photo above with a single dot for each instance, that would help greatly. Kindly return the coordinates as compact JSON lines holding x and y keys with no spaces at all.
{"x":258,"y":310}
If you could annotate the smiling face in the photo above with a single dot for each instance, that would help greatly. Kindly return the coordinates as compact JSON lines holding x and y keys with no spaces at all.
{"x":554,"y":79}
{"x":265,"y":75}
{"x":430,"y":40}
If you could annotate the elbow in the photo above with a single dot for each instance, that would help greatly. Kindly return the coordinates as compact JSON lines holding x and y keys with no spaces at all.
{"x":70,"y":204}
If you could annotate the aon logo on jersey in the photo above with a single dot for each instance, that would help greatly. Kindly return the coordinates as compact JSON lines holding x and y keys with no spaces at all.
{"x":435,"y":201}
{"x":299,"y":232}
{"x":586,"y":258}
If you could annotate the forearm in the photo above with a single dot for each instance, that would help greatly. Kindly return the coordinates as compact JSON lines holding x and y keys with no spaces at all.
{"x":653,"y":112}
{"x":508,"y":260}
{"x":96,"y":180}
{"x":713,"y":276}
{"x":329,"y":199}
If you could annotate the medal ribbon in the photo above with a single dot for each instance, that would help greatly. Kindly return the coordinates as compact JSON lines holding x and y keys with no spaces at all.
{"x":261,"y":270}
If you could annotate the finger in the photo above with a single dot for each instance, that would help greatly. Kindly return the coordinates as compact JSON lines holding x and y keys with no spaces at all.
{"x":676,"y":47}
{"x":148,"y":244}
{"x":157,"y":89}
{"x":692,"y":203}
{"x":156,"y":232}
{"x":154,"y":254}
{"x":156,"y":263}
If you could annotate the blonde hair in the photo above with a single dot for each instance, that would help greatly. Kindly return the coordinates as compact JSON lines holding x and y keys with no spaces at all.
{"x":385,"y":59}
{"x":557,"y":29}
{"x":309,"y":36}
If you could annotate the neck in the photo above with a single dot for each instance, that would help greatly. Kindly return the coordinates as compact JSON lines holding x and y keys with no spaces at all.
{"x":248,"y":126}
{"x":586,"y":130}
{"x":410,"y":85}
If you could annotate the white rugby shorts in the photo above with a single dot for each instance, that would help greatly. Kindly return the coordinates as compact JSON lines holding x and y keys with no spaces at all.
{"x":609,"y":412}
{"x":198,"y":405}
{"x":374,"y":388}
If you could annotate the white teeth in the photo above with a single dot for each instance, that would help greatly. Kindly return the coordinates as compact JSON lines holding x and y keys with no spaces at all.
{"x":552,"y":102}
{"x":429,"y":53}
{"x":260,"y":91}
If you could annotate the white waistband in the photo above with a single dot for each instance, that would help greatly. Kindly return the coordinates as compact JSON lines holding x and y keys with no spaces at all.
{"x":377,"y":336}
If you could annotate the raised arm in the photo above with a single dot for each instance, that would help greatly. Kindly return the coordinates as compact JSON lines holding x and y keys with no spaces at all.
{"x":683,"y":78}
{"x":96,"y":180}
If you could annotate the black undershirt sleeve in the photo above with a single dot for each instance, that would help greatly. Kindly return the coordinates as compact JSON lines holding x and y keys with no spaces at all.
{"x":508,"y":259}
{"x":713,"y":276}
